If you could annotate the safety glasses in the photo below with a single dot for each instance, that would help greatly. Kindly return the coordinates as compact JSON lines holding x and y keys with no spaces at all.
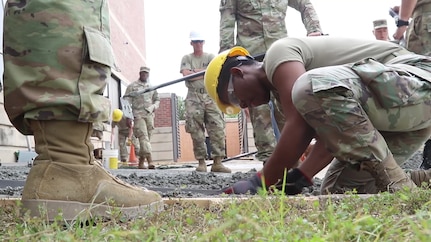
{"x":230,"y":93}
{"x":197,"y":41}
{"x":233,"y":100}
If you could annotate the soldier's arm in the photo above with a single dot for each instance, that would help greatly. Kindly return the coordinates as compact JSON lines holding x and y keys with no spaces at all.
{"x":308,"y":15}
{"x":128,"y":90}
{"x":156,"y":100}
{"x":405,"y":11}
{"x":187,"y":69}
{"x":228,"y":13}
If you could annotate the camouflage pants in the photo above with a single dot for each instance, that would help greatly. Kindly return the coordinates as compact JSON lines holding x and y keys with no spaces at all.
{"x":98,"y":128}
{"x":419,"y":32}
{"x":56,"y":70}
{"x":279,"y":117}
{"x":122,"y":143}
{"x":342,"y":177}
{"x":143,"y":129}
{"x":419,"y":41}
{"x":263,"y":133}
{"x":204,"y":115}
{"x":359,"y":122}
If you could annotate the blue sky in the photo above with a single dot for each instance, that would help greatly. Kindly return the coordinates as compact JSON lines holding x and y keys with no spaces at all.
{"x":168,"y":27}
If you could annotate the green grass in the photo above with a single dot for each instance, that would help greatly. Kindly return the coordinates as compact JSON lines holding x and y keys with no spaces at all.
{"x":403,"y":216}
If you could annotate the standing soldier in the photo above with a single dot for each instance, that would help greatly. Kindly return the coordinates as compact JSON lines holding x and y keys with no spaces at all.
{"x":143,"y":107}
{"x":125,"y":134}
{"x":418,"y":39}
{"x":201,"y":111}
{"x":380,"y":29}
{"x":259,"y":23}
{"x":54,"y":91}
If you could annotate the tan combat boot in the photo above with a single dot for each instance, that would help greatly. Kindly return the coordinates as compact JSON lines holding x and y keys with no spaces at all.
{"x":150,"y":162}
{"x":141,"y":163}
{"x":65,"y":178}
{"x":218,"y":166}
{"x":388,"y":174}
{"x":421,"y":177}
{"x":202,"y":167}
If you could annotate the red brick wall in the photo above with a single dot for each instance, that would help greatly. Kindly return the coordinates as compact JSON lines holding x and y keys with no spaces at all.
{"x":163,"y":113}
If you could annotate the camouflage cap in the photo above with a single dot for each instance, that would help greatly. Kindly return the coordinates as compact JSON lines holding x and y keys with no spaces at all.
{"x":380,"y":23}
{"x":145,"y":69}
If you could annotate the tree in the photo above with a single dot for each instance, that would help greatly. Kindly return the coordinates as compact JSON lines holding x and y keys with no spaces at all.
{"x":181,"y":108}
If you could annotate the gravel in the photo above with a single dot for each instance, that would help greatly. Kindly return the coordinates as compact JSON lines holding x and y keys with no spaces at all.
{"x":176,"y":179}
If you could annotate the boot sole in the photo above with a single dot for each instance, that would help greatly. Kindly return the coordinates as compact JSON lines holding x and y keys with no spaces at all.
{"x":71,"y":211}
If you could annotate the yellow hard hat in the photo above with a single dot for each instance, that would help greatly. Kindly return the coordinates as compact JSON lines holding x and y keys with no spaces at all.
{"x":117,"y":115}
{"x":212,"y":75}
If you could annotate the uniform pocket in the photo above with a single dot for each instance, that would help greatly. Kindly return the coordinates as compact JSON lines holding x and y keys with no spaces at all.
{"x":99,"y":47}
{"x":189,"y":127}
{"x":391,"y":86}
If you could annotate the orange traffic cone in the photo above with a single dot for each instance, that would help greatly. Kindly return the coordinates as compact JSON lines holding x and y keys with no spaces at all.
{"x":133,"y":161}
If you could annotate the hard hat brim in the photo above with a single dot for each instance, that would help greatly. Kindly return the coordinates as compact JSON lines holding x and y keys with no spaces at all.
{"x":212,"y":76}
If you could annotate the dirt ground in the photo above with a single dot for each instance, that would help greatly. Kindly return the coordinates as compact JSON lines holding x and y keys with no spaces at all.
{"x":179,"y":180}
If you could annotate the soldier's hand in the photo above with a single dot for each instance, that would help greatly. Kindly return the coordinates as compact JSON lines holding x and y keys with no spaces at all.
{"x":315,"y":34}
{"x":151,"y":108}
{"x":250,"y":186}
{"x":295,"y":181}
{"x":129,"y":142}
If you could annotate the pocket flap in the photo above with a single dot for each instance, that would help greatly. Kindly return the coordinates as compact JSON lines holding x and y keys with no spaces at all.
{"x":368,"y":69}
{"x":99,"y":47}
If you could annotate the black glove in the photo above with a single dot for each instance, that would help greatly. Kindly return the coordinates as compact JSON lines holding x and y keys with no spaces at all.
{"x":249,"y":186}
{"x":296,"y":180}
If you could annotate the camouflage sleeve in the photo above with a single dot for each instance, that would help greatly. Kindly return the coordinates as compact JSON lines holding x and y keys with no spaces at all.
{"x":308,"y":15}
{"x":185,"y":63}
{"x":227,"y":24}
{"x":156,"y":100}
{"x":128,"y":90}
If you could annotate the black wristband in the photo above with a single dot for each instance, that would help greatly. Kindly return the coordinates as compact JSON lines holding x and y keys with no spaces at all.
{"x":401,"y":23}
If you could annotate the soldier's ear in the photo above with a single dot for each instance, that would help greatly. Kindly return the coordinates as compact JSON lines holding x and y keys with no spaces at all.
{"x":235,"y":71}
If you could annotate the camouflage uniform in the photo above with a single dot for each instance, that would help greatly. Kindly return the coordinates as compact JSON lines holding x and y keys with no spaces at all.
{"x":362,"y":111}
{"x":419,"y":41}
{"x":123,"y":136}
{"x":259,"y":24}
{"x":202,"y":113}
{"x":419,"y":31}
{"x":48,"y":79}
{"x":98,"y":128}
{"x":143,"y":107}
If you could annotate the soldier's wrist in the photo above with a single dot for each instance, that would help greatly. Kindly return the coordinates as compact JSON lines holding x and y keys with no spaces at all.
{"x":401,"y":23}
